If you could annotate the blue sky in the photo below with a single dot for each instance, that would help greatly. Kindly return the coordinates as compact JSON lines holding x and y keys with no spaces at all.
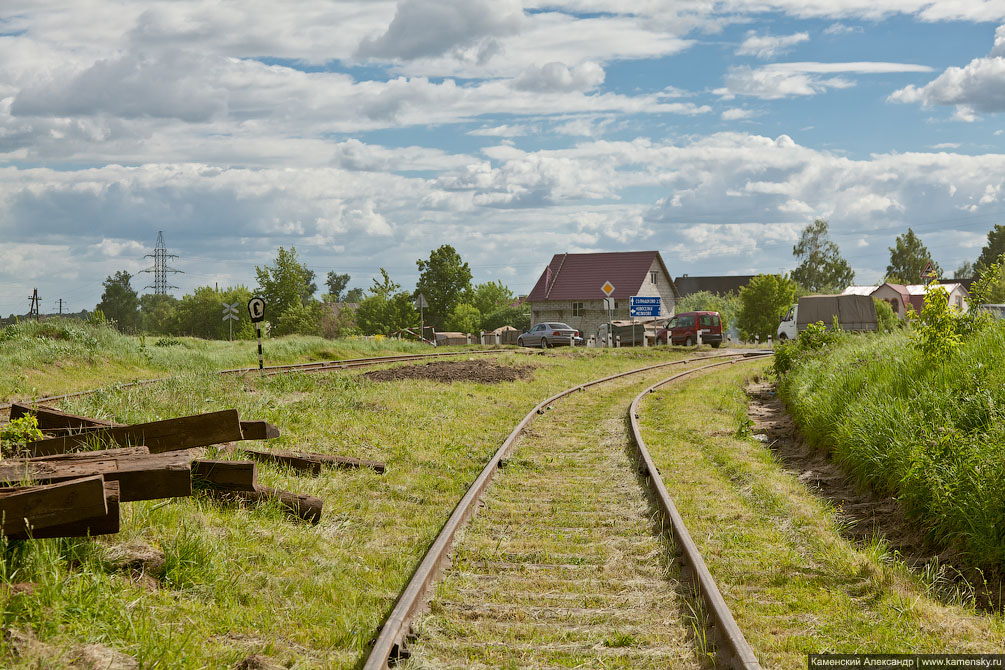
{"x":366,"y":133}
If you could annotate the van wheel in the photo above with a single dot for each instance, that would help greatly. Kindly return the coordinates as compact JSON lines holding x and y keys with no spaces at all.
{"x":783,"y":337}
{"x":544,"y":343}
{"x":688,"y":342}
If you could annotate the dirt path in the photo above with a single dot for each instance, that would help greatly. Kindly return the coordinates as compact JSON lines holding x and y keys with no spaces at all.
{"x":561,"y":567}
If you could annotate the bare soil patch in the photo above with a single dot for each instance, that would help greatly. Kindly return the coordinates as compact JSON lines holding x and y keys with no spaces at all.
{"x":481,"y":371}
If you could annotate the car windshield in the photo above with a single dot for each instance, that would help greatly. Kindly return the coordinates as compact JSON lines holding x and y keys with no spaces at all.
{"x":559,"y":326}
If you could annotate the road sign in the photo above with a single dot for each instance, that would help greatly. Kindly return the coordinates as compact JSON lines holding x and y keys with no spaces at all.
{"x":607,"y":288}
{"x":609,"y":304}
{"x":230,"y":312}
{"x":420,"y":302}
{"x":644,"y":306}
{"x":256,"y":308}
{"x":929,"y":271}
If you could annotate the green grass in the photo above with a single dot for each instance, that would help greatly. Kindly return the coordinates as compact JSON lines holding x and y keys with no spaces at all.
{"x":247,"y":579}
{"x":794,"y":585}
{"x":64,"y":355}
{"x":930,"y":435}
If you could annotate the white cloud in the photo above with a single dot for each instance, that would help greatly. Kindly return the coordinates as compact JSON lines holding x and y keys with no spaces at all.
{"x":560,"y":77}
{"x":841,"y":29}
{"x":978,"y":86}
{"x":783,"y":80}
{"x":423,"y":28}
{"x":737,"y":113}
{"x":505,"y":130}
{"x":768,"y":46}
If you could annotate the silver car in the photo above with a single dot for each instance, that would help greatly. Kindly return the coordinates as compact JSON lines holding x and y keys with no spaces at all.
{"x":551,"y":334}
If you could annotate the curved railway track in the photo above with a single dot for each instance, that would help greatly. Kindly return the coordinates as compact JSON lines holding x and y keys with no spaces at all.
{"x":315,"y":366}
{"x":733,"y":649}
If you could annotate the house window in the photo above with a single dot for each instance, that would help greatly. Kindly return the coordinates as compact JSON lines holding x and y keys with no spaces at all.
{"x":577,"y":309}
{"x":652,"y":277}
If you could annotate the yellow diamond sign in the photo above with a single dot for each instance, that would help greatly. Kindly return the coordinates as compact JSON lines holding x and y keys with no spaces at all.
{"x":607,"y":288}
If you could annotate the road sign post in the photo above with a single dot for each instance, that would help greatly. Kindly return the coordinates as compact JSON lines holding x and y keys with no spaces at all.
{"x":230,"y":315}
{"x":608,"y":290}
{"x":421,"y":304}
{"x":256,"y":308}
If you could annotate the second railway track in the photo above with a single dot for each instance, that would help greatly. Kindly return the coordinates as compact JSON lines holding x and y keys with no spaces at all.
{"x":564,"y":566}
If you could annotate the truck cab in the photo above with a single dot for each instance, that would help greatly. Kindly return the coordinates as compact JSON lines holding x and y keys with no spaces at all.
{"x":787,"y":326}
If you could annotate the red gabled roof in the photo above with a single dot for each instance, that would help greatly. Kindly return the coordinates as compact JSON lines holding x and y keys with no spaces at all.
{"x":580,"y":276}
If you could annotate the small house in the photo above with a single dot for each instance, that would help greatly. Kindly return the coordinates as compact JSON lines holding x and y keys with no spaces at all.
{"x":570,"y":289}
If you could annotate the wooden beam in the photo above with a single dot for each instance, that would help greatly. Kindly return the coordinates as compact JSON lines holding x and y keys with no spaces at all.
{"x":99,"y":525}
{"x":54,"y":419}
{"x":303,"y":506}
{"x":185,"y":432}
{"x":230,"y":475}
{"x":25,"y":509}
{"x":85,"y":455}
{"x":259,"y":430}
{"x":312,"y":463}
{"x":140,"y":476}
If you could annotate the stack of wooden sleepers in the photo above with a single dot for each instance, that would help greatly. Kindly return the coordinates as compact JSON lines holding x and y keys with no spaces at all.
{"x":71,"y":482}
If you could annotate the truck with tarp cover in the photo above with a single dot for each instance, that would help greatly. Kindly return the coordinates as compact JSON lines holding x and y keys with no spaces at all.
{"x":853,"y":312}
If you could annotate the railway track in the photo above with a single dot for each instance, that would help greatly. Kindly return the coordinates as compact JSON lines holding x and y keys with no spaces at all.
{"x":315,"y":366}
{"x":563,"y":567}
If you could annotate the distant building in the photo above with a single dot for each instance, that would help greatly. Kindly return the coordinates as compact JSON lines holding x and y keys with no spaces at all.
{"x":569,"y":289}
{"x":716,"y":285}
{"x":912,"y":296}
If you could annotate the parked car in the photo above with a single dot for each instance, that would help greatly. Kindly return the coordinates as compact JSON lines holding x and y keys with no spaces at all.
{"x":683,"y":329}
{"x":551,"y":334}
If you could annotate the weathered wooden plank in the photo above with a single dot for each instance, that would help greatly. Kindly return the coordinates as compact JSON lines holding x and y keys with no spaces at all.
{"x":25,"y":509}
{"x":118,"y":452}
{"x":141,"y":476}
{"x":259,"y":430}
{"x":100,"y":525}
{"x":231,"y":475}
{"x":169,"y":435}
{"x":312,"y":463}
{"x":304,"y":506}
{"x":54,"y":419}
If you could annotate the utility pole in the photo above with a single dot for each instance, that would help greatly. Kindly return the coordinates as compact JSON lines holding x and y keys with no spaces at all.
{"x":61,"y":307}
{"x":33,"y":308}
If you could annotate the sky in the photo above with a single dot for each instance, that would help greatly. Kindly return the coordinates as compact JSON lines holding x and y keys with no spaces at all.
{"x":366,"y":133}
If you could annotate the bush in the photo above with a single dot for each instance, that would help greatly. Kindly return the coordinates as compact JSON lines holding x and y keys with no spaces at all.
{"x":886,"y":320}
{"x":810,"y":342}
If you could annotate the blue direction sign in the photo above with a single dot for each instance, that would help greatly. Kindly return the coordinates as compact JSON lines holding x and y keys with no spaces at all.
{"x":644,"y":305}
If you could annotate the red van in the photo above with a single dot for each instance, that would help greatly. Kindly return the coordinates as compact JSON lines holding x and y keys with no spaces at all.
{"x":683,"y":329}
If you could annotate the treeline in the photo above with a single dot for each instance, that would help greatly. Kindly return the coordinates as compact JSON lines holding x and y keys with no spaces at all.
{"x":756,"y":308}
{"x":288,"y":287}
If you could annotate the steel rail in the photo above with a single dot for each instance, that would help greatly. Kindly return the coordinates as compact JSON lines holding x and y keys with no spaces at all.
{"x":314,"y":366}
{"x":732,"y":646}
{"x":413,"y":597}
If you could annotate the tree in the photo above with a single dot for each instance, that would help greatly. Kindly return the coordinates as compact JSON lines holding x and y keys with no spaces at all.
{"x":386,"y":309}
{"x":908,"y":258}
{"x":200,"y":313}
{"x":443,"y":279}
{"x":964,"y":271}
{"x":762,"y":301}
{"x":992,"y":250}
{"x":284,"y":284}
{"x":158,"y":314}
{"x":822,"y":267}
{"x":336,"y":285}
{"x":119,"y":301}
{"x":465,"y":318}
{"x":353,"y":295}
{"x":299,"y":320}
{"x":518,"y":317}
{"x":489,"y":297}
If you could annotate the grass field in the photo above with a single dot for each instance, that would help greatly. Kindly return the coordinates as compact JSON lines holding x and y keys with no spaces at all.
{"x":242,"y":580}
{"x":794,"y":584}
{"x":929,"y":434}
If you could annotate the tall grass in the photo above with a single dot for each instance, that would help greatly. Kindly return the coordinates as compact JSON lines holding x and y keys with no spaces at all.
{"x":931,"y":435}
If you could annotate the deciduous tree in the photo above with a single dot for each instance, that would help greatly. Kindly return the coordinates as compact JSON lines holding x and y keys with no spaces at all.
{"x":994,"y":248}
{"x":821,"y":268}
{"x":386,"y":309}
{"x":443,"y":279}
{"x":119,"y":301}
{"x":336,"y":285}
{"x":908,"y":258}
{"x":762,"y":301}
{"x":285,"y":283}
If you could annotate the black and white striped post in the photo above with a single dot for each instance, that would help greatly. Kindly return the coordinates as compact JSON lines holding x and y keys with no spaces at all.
{"x":256,"y":308}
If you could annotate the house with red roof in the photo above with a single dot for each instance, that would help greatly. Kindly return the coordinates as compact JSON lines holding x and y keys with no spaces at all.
{"x":570,"y":289}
